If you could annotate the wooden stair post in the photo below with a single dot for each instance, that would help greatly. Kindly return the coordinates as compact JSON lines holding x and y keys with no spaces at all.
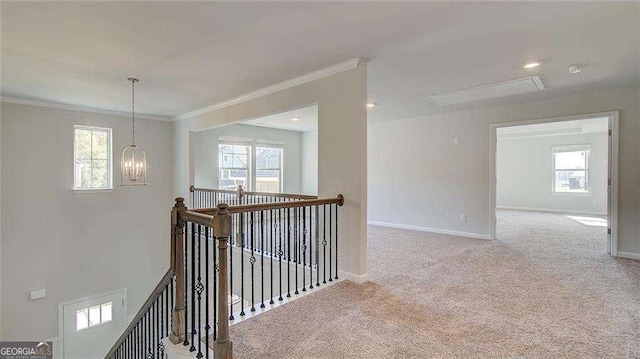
{"x":177,"y":263}
{"x":223,"y":347}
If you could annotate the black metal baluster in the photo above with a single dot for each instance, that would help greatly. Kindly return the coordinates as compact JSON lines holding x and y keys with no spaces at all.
{"x":158,"y":336}
{"x":274,"y":228}
{"x":242,"y":268}
{"x":317,"y":235}
{"x":193,"y":287}
{"x":336,"y":205}
{"x":235,"y":235}
{"x":324,"y":243}
{"x":150,"y":332}
{"x":288,"y":253}
{"x":262,"y":224}
{"x":296,"y":240}
{"x":304,"y":248}
{"x":206,"y":290}
{"x":252,"y":260}
{"x":144,"y":337}
{"x":330,"y":251}
{"x":186,"y":285}
{"x":280,"y":252}
{"x":215,"y":289}
{"x":310,"y":248}
{"x":161,"y":321}
{"x":199,"y":288}
{"x":171,"y":294}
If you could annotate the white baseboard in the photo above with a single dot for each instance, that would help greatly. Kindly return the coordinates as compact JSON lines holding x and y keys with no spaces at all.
{"x":179,"y":351}
{"x":432,"y":230}
{"x":353,"y":277}
{"x":629,"y":255}
{"x":551,"y":210}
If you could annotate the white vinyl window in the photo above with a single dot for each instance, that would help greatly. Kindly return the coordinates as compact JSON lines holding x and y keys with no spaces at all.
{"x":571,"y":169}
{"x":93,"y":316}
{"x":234,"y":158}
{"x":92,"y":156}
{"x":268,"y":168}
{"x":254,"y":164}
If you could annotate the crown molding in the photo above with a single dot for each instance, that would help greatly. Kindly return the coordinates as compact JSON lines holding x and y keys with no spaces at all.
{"x":61,"y":106}
{"x":325,"y":72}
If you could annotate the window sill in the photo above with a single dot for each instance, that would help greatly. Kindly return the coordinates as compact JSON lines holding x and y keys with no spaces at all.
{"x":571,"y":194}
{"x":92,"y":190}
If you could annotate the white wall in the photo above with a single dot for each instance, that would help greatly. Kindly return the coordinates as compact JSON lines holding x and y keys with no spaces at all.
{"x":310,"y":162}
{"x":418,"y":177}
{"x":342,"y":145}
{"x":525,"y":174}
{"x":76,"y":245}
{"x":205,"y":152}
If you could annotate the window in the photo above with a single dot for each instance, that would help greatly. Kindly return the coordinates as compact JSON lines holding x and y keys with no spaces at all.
{"x":92,"y":158}
{"x":233,"y":164}
{"x":92,"y":316}
{"x":268,"y":169}
{"x":254,"y":164}
{"x":571,"y":169}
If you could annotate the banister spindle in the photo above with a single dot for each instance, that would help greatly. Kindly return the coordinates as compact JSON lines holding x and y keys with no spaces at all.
{"x":177,"y":263}
{"x":223,"y":347}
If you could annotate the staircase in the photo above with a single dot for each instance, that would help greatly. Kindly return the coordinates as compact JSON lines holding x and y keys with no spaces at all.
{"x":234,"y":255}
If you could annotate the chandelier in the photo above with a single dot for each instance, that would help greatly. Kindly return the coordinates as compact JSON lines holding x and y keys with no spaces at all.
{"x":133,"y":160}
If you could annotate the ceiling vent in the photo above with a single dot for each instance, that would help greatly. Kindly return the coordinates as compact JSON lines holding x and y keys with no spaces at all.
{"x":490,"y":91}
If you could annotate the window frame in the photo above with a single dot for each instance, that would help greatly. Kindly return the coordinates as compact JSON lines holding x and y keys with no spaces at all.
{"x":249,"y":161}
{"x":109,"y":132}
{"x":88,"y":315}
{"x":571,"y":148}
{"x":272,"y":145}
{"x":252,"y":167}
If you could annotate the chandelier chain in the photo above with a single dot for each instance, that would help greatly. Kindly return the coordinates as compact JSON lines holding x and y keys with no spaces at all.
{"x":133,"y":112}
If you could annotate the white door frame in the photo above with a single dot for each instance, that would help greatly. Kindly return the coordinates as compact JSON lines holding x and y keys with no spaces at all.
{"x":612,"y":205}
{"x":84,"y":299}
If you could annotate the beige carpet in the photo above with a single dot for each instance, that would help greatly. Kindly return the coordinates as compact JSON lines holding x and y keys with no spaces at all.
{"x":546,"y":289}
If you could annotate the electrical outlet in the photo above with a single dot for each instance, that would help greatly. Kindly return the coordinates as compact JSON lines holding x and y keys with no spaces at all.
{"x":456,"y":140}
{"x":463,"y":218}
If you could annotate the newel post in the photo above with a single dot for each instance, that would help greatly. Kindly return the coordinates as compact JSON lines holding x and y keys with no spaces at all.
{"x":223,"y":347}
{"x":240,"y":194}
{"x":177,"y":263}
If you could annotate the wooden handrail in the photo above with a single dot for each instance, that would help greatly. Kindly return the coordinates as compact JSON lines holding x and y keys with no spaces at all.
{"x":197,"y":217}
{"x":269,"y":194}
{"x":157,"y":292}
{"x":274,"y":205}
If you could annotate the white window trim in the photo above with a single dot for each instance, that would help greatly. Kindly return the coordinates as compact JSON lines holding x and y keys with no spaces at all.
{"x":109,"y":160}
{"x":253,"y":144}
{"x":570,"y":148}
{"x":265,"y":144}
{"x":238,"y":141}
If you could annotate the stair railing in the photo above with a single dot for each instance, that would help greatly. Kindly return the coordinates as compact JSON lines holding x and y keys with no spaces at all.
{"x":210,"y":197}
{"x":283,"y":248}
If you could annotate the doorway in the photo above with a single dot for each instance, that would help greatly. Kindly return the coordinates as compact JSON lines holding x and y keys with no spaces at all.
{"x":556,"y":172}
{"x":88,"y":327}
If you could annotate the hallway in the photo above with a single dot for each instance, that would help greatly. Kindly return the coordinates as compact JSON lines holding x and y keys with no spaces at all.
{"x":529,"y":294}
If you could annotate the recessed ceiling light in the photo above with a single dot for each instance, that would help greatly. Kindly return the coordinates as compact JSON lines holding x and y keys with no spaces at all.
{"x":295,"y":118}
{"x":574,"y":69}
{"x":531,"y":65}
{"x":371,"y":105}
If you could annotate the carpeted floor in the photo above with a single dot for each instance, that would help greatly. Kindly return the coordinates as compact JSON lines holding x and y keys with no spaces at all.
{"x":546,"y":289}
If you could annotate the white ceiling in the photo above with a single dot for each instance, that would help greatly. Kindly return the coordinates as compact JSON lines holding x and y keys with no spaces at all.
{"x":308,"y":120}
{"x":190,"y":55}
{"x":593,"y":125}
